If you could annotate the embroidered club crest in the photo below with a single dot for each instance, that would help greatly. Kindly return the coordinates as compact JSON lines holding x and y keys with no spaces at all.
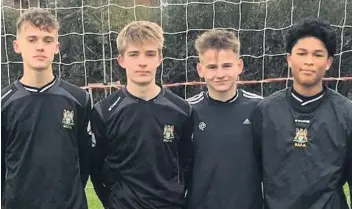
{"x":301,"y":137}
{"x":67,"y":119}
{"x":168,"y":133}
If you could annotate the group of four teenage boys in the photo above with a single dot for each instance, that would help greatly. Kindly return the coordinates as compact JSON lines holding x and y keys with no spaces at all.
{"x":224,"y":148}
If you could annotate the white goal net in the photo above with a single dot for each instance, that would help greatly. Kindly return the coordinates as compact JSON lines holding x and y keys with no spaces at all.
{"x":89,"y":29}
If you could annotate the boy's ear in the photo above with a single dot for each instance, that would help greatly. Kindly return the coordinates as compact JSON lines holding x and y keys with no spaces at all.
{"x":57,"y":48}
{"x":240,"y":66}
{"x":121,"y":61}
{"x":16,"y":46}
{"x":288,"y":58}
{"x":200,"y":70}
{"x":330,"y":60}
{"x":160,"y":58}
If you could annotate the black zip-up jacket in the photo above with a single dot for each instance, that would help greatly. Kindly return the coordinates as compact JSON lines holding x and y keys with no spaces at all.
{"x":45,"y":146}
{"x":141,"y":151}
{"x":306,"y":150}
{"x":225,"y":172}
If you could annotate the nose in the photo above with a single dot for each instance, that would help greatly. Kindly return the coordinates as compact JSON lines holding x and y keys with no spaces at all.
{"x":220,"y":73}
{"x":142,"y":65}
{"x":309,"y":60}
{"x":142,"y":62}
{"x":40,"y":46}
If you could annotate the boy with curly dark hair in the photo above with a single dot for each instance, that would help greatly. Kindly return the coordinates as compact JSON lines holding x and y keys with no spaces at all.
{"x":304,"y":132}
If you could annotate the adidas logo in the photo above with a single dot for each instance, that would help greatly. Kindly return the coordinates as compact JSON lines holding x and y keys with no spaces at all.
{"x":246,"y":121}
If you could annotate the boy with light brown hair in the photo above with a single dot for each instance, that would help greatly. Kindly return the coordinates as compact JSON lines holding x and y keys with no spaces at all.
{"x":225,"y":172}
{"x":44,"y":139}
{"x":142,"y":131}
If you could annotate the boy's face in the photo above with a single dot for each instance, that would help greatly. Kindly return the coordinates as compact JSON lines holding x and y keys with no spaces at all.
{"x":37,"y":47}
{"x":140,"y":62}
{"x":309,"y":60}
{"x":220,"y":69}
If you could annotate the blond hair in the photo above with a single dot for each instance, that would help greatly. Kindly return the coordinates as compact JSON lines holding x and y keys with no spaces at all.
{"x":139,"y":32}
{"x":39,"y":18}
{"x":219,"y":40}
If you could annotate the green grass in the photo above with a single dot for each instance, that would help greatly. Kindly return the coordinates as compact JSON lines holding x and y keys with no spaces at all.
{"x":94,"y":203}
{"x":347,"y":192}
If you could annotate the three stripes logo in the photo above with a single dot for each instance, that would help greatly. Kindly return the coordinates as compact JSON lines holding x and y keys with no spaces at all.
{"x":246,"y":122}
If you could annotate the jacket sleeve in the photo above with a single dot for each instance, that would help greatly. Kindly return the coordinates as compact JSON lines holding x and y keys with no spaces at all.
{"x":3,"y":151}
{"x":185,"y":149}
{"x":257,"y":127}
{"x":98,"y":154}
{"x":84,"y":141}
{"x":348,"y":165}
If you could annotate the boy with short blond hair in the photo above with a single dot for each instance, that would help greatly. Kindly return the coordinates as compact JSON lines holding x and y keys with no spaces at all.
{"x":225,"y":172}
{"x":44,"y":139}
{"x":138,"y":32}
{"x":142,"y":131}
{"x":217,"y":39}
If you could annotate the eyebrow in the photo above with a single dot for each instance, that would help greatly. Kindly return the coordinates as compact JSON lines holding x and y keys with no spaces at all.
{"x":45,"y":37}
{"x":149,"y":51}
{"x":132,"y":52}
{"x":211,"y":65}
{"x":317,"y":50}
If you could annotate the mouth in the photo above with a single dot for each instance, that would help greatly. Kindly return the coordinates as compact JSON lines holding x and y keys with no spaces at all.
{"x":307,"y":71}
{"x":142,"y":72}
{"x":220,"y":82}
{"x":40,"y":57}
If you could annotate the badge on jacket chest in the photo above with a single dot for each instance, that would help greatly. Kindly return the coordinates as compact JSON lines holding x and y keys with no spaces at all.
{"x":67,"y":119}
{"x":301,"y":137}
{"x":168,"y":133}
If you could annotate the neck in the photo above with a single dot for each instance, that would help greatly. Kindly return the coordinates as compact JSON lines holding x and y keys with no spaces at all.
{"x":146,"y":92}
{"x":223,"y":96}
{"x":308,"y":91}
{"x":36,"y":78}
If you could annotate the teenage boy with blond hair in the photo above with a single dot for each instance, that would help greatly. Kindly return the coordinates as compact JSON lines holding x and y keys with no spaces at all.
{"x":225,"y":169}
{"x":141,"y":131}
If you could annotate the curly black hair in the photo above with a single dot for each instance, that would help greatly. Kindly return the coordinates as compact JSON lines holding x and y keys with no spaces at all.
{"x":312,"y":27}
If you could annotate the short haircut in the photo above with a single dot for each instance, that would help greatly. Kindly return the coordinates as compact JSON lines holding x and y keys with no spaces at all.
{"x":139,"y":32}
{"x":219,"y":40}
{"x":312,"y":27}
{"x":39,"y":18}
